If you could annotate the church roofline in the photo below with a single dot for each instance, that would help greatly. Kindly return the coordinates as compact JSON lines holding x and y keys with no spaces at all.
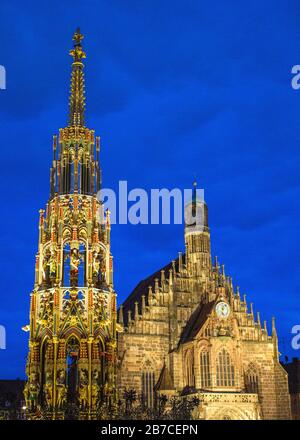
{"x":142,"y":288}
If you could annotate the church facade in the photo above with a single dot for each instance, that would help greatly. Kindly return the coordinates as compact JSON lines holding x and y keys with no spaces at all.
{"x":187,"y":332}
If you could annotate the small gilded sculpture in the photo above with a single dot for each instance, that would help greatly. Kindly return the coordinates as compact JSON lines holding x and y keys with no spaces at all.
{"x":48,"y":389}
{"x":96,"y":264}
{"x":52,"y":264}
{"x":31,"y":392}
{"x":74,"y":265}
{"x":49,"y":265}
{"x":83,"y":388}
{"x":103,"y":270}
{"x":95,"y":388}
{"x":61,"y":388}
{"x":74,"y":261}
{"x":61,"y":396}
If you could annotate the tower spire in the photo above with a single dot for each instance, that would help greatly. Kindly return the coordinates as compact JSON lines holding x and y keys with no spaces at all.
{"x":77,"y":94}
{"x":194,"y":199}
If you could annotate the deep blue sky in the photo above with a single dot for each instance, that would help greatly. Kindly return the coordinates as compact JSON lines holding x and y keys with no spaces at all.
{"x":174,"y":88}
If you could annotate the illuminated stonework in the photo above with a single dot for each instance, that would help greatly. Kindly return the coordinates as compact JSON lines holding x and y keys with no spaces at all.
{"x":72,"y":345}
{"x":187,"y":332}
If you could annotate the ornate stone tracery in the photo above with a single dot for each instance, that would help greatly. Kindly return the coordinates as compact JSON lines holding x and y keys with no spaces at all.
{"x":71,"y":360}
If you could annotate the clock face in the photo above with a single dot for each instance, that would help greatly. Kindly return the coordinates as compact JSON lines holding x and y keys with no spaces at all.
{"x":222,"y":309}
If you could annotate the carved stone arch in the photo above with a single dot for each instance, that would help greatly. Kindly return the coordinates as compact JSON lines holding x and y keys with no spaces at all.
{"x":72,"y":153}
{"x":103,"y":336}
{"x":46,"y":246}
{"x":83,"y":235}
{"x":252,"y":378}
{"x":101,"y":341}
{"x":103,"y":248}
{"x":45,"y":333}
{"x":203,"y":343}
{"x":72,"y":331}
{"x":47,"y":249}
{"x":72,"y":335}
{"x":252,"y":366}
{"x":232,"y":413}
{"x":187,"y":352}
{"x":67,"y":234}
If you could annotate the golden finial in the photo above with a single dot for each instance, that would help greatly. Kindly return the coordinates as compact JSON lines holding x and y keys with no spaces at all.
{"x":77,"y":97}
{"x":77,"y":53}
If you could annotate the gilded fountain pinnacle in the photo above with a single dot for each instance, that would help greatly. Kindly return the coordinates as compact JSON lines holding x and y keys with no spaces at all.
{"x":71,"y":364}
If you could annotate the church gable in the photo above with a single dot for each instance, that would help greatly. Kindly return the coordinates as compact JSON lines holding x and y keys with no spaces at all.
{"x":197,"y":321}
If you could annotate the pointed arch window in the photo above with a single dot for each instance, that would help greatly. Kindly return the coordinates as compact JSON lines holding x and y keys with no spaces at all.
{"x":148,"y":388}
{"x":189,"y":369}
{"x":85,"y":176}
{"x":205,"y":375}
{"x":66,"y":171}
{"x":251,"y":380}
{"x":225,"y":369}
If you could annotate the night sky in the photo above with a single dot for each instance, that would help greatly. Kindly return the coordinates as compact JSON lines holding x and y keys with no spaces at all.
{"x":175,"y":89}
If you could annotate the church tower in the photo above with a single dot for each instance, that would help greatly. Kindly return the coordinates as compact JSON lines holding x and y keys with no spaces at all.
{"x":72,"y":346}
{"x":197,"y":236}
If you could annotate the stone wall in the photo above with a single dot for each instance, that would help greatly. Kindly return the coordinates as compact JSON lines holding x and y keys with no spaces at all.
{"x":273,"y":384}
{"x":139,"y":353}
